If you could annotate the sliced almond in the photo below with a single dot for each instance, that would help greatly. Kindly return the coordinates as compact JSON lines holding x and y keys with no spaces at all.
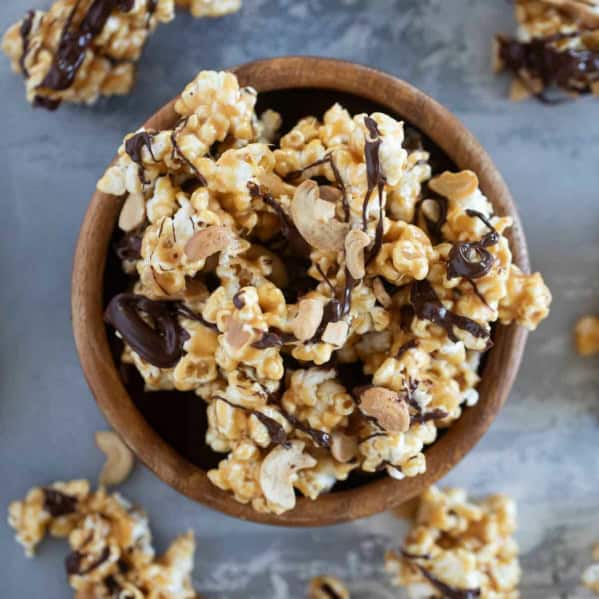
{"x":455,"y":186}
{"x":355,"y":242}
{"x":119,"y":458}
{"x":133,"y":212}
{"x":330,"y":193}
{"x":278,"y":472}
{"x":344,"y":448}
{"x":386,"y":407}
{"x":207,"y":242}
{"x":236,"y":336}
{"x":315,"y":219}
{"x":309,"y":317}
{"x":336,"y":333}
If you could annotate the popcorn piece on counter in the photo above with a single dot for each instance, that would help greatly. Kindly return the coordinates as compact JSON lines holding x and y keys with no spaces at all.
{"x":586,"y":335}
{"x":459,"y":548}
{"x":556,"y":46}
{"x":210,"y":8}
{"x":325,"y":293}
{"x":327,"y":587}
{"x":110,"y":540}
{"x":80,"y":50}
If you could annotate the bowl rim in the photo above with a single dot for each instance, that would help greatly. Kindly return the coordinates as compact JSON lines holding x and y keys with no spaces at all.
{"x":101,"y":373}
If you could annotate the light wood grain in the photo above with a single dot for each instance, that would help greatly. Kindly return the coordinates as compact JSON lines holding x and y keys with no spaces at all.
{"x":500,"y":368}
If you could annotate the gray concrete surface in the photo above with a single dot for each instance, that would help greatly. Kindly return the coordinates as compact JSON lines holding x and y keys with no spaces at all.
{"x":543,"y":447}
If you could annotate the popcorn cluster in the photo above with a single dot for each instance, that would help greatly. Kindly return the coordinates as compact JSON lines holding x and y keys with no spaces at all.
{"x":323,"y":293}
{"x":557,"y":45}
{"x":80,"y":50}
{"x":586,"y":335}
{"x":459,"y":548}
{"x":111,"y":544}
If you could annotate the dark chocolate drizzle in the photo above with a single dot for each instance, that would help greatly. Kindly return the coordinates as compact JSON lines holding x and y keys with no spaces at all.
{"x":74,"y":41}
{"x":74,"y":560}
{"x":46,"y":103}
{"x":128,"y":247}
{"x":374,"y":178}
{"x":24,"y":31}
{"x":321,"y":438}
{"x":408,"y":345}
{"x":59,"y":504}
{"x":274,"y":338}
{"x":449,"y":592}
{"x":134,"y":146}
{"x":177,"y":153}
{"x":185,"y":312}
{"x":276,"y":432}
{"x":571,"y":69}
{"x":434,"y":226}
{"x":422,"y":417}
{"x":329,"y":591}
{"x":160,"y":345}
{"x":427,"y":306}
{"x":294,"y":238}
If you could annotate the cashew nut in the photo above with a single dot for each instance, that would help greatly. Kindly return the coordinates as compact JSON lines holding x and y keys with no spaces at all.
{"x":343,"y":447}
{"x":278,"y":472}
{"x":133,"y":212}
{"x":119,"y":458}
{"x":315,"y":219}
{"x":207,"y":242}
{"x":455,"y":186}
{"x":386,"y":407}
{"x":355,"y":242}
{"x":309,"y":316}
{"x":336,"y":333}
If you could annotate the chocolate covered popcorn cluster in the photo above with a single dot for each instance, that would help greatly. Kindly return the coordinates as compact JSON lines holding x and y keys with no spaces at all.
{"x":80,"y":50}
{"x":325,"y":293}
{"x":110,"y":540}
{"x":557,"y":45}
{"x":458,"y":548}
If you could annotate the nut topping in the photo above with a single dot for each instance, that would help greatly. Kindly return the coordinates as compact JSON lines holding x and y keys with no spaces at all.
{"x":355,"y":242}
{"x":386,"y":407}
{"x":336,"y":333}
{"x":343,"y":447}
{"x":119,"y":458}
{"x":455,"y":186}
{"x":315,"y":219}
{"x":309,"y":317}
{"x":207,"y":242}
{"x":133,"y":212}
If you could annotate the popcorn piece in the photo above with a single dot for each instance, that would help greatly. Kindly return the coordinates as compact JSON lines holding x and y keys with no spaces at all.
{"x":459,"y":548}
{"x":327,"y":587}
{"x":210,"y":8}
{"x":556,"y":46}
{"x":316,"y":291}
{"x":111,"y":550}
{"x":586,"y":335}
{"x":74,"y":54}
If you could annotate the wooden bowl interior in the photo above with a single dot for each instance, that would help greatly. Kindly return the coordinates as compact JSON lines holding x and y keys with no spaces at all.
{"x":166,"y":429}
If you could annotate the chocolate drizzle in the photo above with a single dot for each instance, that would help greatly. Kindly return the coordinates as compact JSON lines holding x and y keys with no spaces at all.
{"x":427,"y":306}
{"x":433,"y":226}
{"x":134,"y":146}
{"x":74,"y":41}
{"x":273,"y":338}
{"x":59,"y":504}
{"x":422,"y":417}
{"x":74,"y":560}
{"x":24,"y":31}
{"x":161,"y":344}
{"x":447,"y":591}
{"x":46,"y":103}
{"x":573,"y":70}
{"x":329,"y":591}
{"x":374,"y":178}
{"x":182,"y":310}
{"x":296,"y":242}
{"x":177,"y":153}
{"x":321,"y":438}
{"x":408,"y":345}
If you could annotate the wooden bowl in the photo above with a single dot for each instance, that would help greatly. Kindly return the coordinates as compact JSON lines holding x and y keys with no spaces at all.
{"x":299,"y":86}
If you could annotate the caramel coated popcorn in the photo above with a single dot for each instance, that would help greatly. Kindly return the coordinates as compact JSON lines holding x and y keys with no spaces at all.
{"x":556,"y":45}
{"x":586,"y":335}
{"x":110,"y":540}
{"x":210,"y":8}
{"x":459,"y":548}
{"x":80,"y":50}
{"x":324,"y":294}
{"x":590,"y":577}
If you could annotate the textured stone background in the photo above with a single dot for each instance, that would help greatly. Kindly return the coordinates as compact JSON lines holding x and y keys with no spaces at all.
{"x":543,"y":447}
